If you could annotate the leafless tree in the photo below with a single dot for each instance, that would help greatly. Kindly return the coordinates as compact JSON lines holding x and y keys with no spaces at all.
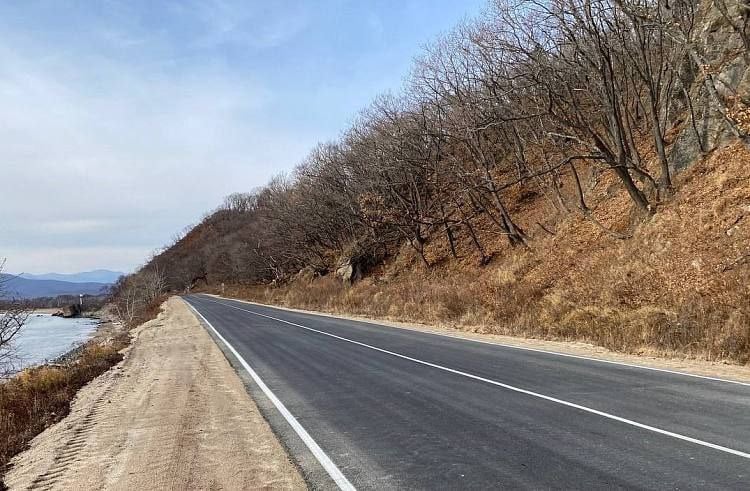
{"x":536,"y":98}
{"x":132,"y":295}
{"x":13,"y":315}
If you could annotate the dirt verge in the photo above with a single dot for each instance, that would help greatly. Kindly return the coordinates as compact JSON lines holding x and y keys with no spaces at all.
{"x":172,"y":415}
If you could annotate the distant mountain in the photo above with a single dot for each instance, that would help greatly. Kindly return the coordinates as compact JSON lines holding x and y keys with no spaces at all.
{"x":24,"y":288}
{"x":96,"y":276}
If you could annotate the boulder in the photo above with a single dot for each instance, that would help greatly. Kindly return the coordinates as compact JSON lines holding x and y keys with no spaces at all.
{"x":68,"y":311}
{"x":345,"y":271}
{"x":358,"y":260}
{"x":351,"y":269}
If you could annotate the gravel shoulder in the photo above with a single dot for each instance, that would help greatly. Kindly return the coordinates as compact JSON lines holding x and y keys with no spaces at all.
{"x":172,"y":415}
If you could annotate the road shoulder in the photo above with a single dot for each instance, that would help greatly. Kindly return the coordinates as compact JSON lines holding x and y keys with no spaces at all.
{"x":172,"y":415}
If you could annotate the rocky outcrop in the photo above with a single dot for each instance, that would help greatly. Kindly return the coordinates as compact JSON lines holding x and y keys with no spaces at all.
{"x":68,"y":311}
{"x":349,"y":270}
{"x":354,"y":265}
{"x":718,"y":87}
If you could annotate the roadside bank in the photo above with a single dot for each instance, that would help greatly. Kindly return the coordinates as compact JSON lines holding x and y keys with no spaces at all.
{"x":172,"y":415}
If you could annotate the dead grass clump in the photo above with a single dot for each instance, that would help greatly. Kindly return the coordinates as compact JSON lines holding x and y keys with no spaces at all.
{"x":656,"y":328}
{"x":451,"y":305}
{"x":733,"y":341}
{"x":367,"y":299}
{"x":38,"y":397}
{"x":312,"y":294}
{"x":699,"y":329}
{"x":149,"y":311}
{"x":721,"y":332}
{"x":589,"y":323}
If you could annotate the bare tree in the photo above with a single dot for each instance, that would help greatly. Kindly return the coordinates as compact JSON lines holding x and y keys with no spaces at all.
{"x":13,"y":315}
{"x":536,"y":98}
{"x":132,"y":295}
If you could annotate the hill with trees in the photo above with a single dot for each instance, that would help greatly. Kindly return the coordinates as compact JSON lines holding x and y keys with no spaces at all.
{"x":568,"y":169}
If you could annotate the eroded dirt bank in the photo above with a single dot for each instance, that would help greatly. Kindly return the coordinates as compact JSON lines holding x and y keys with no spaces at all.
{"x":172,"y":415}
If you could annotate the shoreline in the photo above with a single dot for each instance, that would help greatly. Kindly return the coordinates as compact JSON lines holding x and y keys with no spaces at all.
{"x":171,"y":396}
{"x":106,"y":328}
{"x":77,"y":347}
{"x":38,"y":396}
{"x":45,"y":310}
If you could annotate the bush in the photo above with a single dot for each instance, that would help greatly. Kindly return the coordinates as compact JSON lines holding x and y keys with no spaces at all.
{"x":39,"y":397}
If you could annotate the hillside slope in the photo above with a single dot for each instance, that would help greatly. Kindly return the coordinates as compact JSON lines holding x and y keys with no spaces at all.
{"x":677,"y":286}
{"x":547,"y":173}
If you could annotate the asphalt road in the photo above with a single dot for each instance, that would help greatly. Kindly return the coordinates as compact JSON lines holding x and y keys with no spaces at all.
{"x":392,"y":408}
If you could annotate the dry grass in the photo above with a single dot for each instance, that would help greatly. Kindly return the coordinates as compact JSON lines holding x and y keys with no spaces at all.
{"x":39,"y":397}
{"x":148,"y":311}
{"x":676,"y":288}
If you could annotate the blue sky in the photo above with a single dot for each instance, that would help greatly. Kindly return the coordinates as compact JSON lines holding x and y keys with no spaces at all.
{"x":124,"y":121}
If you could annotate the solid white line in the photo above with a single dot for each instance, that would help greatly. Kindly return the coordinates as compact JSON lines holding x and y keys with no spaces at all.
{"x":493,"y":343}
{"x":341,"y":481}
{"x":510,"y":387}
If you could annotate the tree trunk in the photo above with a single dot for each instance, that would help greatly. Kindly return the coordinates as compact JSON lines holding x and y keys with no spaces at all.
{"x":635,"y":193}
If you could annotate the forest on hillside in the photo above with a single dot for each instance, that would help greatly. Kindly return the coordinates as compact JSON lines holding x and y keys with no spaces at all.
{"x":541,"y":143}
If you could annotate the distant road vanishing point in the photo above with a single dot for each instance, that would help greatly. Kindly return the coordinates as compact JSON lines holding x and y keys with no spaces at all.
{"x":374,"y":407}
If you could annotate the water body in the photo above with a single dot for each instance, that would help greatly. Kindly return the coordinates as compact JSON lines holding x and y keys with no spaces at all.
{"x":45,"y":337}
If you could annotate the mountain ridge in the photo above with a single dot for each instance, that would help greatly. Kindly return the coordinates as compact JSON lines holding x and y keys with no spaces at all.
{"x":105,"y":276}
{"x":23,"y":288}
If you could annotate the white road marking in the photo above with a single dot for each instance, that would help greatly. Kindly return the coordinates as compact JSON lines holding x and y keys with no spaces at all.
{"x":341,"y":481}
{"x":503,"y":345}
{"x":509,"y":387}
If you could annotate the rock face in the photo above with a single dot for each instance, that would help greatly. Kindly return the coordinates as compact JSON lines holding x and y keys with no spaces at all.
{"x":726,"y":73}
{"x":349,"y":271}
{"x":358,"y":260}
{"x":353,"y":267}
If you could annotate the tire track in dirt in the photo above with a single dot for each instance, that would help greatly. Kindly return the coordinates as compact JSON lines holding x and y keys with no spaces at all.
{"x":172,"y":415}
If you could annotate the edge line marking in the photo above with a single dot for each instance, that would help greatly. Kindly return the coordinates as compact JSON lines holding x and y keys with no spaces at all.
{"x":562,"y":402}
{"x":338,"y":477}
{"x":492,"y":343}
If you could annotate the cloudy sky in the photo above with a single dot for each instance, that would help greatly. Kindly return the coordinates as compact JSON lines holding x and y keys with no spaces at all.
{"x":123,"y":121}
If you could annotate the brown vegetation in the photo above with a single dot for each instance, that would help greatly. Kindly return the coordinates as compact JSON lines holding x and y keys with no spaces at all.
{"x":674,"y":288}
{"x":13,"y":315}
{"x":38,"y":397}
{"x":560,"y":169}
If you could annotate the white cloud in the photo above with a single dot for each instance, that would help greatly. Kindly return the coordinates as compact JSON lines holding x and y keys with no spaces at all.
{"x":123,"y":121}
{"x":121,"y":152}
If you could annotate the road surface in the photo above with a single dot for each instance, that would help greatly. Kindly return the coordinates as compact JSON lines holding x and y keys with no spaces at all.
{"x":374,"y":407}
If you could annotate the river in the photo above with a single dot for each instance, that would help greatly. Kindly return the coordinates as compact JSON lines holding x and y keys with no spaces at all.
{"x":45,"y":337}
